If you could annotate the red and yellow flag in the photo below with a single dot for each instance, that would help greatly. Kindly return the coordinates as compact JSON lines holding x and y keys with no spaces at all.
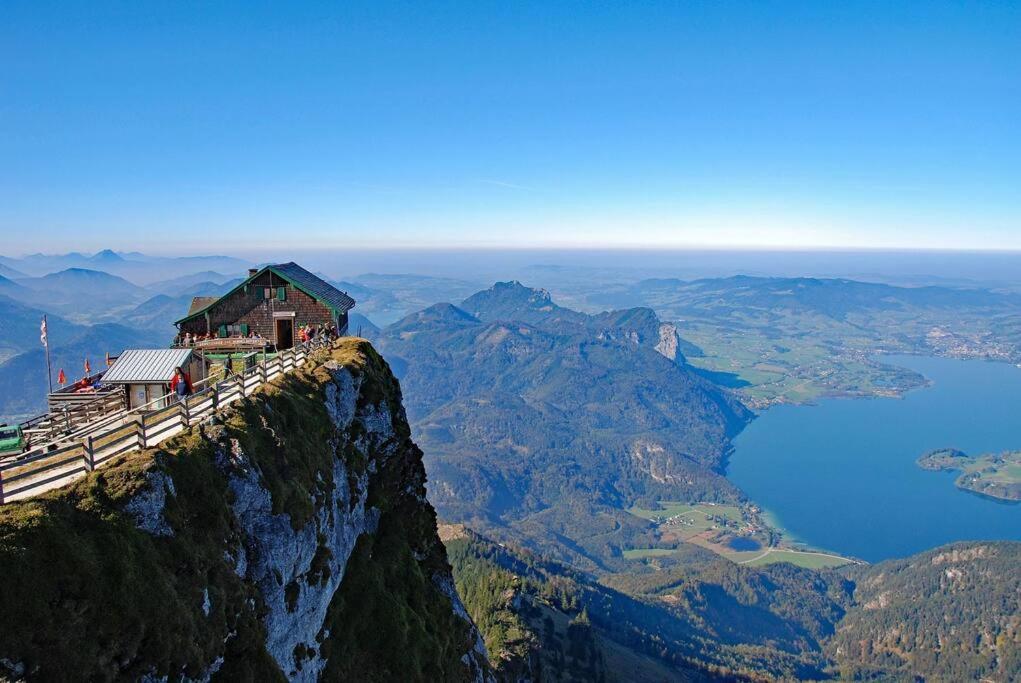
{"x":61,"y":378}
{"x":88,"y":368}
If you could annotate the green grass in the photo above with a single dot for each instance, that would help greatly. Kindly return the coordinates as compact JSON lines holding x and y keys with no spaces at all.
{"x":669,"y":509}
{"x":798,"y":367}
{"x":801,"y":559}
{"x":699,"y":517}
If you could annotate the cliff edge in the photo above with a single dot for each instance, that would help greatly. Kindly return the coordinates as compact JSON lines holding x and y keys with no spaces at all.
{"x":287,"y":538}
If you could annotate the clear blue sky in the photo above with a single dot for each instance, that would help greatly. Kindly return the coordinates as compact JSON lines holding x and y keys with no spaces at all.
{"x":180,"y":126}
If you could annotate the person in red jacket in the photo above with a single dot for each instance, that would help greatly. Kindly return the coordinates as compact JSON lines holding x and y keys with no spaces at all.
{"x":180,"y":384}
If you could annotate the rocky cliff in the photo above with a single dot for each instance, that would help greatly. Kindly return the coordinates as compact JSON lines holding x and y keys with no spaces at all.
{"x":288,"y":538}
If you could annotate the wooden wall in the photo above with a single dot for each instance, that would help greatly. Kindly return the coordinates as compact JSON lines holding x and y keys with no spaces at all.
{"x":252,"y":308}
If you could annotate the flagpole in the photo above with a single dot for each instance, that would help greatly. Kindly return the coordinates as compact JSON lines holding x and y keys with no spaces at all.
{"x":49,"y":373}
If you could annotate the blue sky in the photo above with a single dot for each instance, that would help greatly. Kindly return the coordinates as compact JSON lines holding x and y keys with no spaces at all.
{"x":195,"y":126}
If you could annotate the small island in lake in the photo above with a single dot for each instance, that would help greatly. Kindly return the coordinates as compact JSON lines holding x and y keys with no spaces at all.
{"x":997,"y":475}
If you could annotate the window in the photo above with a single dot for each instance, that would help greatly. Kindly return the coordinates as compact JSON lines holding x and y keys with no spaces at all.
{"x":267,"y":292}
{"x":281,"y":293}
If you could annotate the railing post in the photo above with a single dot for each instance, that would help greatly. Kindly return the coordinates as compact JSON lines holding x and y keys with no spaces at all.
{"x":89,"y":453}
{"x":140,"y":429}
{"x":1,"y":488}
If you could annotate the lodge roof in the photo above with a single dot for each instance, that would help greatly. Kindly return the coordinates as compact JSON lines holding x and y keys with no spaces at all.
{"x":138,"y":366}
{"x":200,"y":303}
{"x":313,"y":285}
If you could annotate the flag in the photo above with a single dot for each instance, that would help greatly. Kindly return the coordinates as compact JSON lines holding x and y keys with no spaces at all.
{"x":88,"y":368}
{"x":61,"y":378}
{"x":42,"y":333}
{"x":108,"y":361}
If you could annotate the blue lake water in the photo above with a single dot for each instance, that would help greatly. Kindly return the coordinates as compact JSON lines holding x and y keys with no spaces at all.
{"x":841,"y":475}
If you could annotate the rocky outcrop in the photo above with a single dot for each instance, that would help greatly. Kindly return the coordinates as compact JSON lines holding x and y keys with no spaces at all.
{"x":669,"y":342}
{"x":289,"y":538}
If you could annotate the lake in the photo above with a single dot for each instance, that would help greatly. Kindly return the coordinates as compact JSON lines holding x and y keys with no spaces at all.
{"x":841,"y":475}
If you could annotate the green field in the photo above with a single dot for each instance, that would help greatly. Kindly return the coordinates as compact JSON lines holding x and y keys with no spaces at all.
{"x":705,"y":524}
{"x":997,"y":475}
{"x":805,"y":559}
{"x":696,"y":512}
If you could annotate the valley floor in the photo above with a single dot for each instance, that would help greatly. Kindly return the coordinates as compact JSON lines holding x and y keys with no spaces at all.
{"x":737,"y":533}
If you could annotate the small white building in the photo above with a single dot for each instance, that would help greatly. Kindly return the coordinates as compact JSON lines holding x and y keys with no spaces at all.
{"x":145,"y":374}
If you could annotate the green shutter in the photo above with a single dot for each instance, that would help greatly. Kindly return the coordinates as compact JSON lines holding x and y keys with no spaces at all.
{"x":281,"y":294}
{"x":223,"y":331}
{"x":244,"y":329}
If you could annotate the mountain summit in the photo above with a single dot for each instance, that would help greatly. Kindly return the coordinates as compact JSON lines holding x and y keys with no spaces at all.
{"x":530,"y":409}
{"x":514,"y":301}
{"x":289,"y":538}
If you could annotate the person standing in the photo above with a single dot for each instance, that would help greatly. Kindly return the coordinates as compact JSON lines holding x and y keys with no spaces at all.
{"x":180,"y":384}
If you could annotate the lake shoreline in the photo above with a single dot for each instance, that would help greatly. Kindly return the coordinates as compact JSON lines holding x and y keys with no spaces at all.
{"x":836,"y":466}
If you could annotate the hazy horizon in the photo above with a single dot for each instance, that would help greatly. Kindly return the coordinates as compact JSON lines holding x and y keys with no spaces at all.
{"x":545,"y":267}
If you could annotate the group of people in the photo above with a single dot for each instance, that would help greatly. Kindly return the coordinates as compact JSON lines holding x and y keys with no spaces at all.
{"x":189,"y":339}
{"x":310,"y":332}
{"x":306,"y":333}
{"x":86,"y":386}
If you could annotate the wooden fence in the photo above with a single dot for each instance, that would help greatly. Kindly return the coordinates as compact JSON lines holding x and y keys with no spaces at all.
{"x":59,"y":463}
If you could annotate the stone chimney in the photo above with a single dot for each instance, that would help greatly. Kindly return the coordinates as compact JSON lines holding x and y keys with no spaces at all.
{"x":252,"y":272}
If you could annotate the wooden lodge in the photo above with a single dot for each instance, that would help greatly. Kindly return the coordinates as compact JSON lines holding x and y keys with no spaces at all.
{"x":267,"y":310}
{"x":231,"y":336}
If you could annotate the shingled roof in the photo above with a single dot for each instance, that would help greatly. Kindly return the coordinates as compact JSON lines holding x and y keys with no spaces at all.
{"x":313,"y":285}
{"x":200,"y":303}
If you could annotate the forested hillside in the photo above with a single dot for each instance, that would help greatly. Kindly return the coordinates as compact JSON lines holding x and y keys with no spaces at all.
{"x":545,"y":424}
{"x":706,"y":617}
{"x":949,"y":614}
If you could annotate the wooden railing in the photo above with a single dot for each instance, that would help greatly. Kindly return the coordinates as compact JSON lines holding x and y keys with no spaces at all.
{"x":71,"y":416}
{"x":59,"y":463}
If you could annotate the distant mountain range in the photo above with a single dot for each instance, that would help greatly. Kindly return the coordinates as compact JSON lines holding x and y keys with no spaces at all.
{"x":175,"y":286}
{"x":141,"y":269}
{"x":836,"y":298}
{"x":161,"y":311}
{"x":19,"y":327}
{"x":80,"y":294}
